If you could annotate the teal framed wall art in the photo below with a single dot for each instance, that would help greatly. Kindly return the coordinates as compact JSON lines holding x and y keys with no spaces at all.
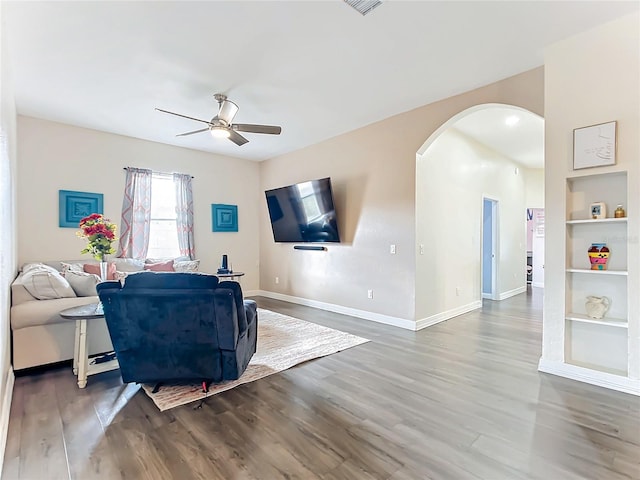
{"x":74,"y":206}
{"x":224,"y":218}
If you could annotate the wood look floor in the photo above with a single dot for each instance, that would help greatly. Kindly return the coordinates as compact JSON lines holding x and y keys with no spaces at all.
{"x":460,"y":400}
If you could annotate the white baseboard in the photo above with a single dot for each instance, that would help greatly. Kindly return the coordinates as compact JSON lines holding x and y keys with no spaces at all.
{"x":442,"y":316}
{"x":593,"y":377}
{"x":4,"y":416}
{"x":353,"y":312}
{"x":511,"y":293}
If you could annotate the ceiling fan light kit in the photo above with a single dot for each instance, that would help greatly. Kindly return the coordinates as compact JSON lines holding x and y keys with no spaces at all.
{"x":219,"y":132}
{"x":221,"y":125}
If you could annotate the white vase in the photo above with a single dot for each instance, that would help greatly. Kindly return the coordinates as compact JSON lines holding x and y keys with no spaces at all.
{"x":597,"y":306}
{"x":103,"y":271}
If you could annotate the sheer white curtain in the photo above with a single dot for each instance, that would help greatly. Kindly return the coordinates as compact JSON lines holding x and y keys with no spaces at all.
{"x":184,"y":214}
{"x":136,"y":214}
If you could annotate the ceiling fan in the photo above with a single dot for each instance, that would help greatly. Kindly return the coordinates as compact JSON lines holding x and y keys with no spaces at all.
{"x":221,"y":125}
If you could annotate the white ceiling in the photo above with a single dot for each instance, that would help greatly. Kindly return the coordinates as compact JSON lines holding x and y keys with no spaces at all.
{"x":317,"y":68}
{"x":513,"y":132}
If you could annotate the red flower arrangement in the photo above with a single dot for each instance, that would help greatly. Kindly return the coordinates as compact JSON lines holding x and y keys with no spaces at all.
{"x":100,"y":233}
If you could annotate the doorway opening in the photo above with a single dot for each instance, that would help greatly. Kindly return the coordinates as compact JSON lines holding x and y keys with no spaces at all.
{"x":489,"y":248}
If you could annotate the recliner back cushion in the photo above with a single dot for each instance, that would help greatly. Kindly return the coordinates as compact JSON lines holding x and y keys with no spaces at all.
{"x":170,"y":280}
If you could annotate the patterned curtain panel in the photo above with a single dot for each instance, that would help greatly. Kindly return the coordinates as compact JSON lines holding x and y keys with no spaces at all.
{"x":136,"y":214}
{"x":184,"y":214}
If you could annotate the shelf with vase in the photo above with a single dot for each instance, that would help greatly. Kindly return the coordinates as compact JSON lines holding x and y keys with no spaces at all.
{"x":610,"y":322}
{"x":597,"y":272}
{"x":596,"y":221}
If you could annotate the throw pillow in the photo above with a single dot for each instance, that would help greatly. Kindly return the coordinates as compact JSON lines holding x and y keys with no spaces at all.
{"x":188,"y":266}
{"x":160,"y":267}
{"x":71,"y":267}
{"x":46,"y":283}
{"x":157,"y":260}
{"x":128,"y":264}
{"x":84,"y":284}
{"x":95,"y":269}
{"x":37,"y":266}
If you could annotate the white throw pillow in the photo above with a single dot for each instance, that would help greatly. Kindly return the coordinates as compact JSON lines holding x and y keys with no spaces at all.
{"x":37,"y":266}
{"x":46,"y":283}
{"x":84,"y":284}
{"x":128,"y":264}
{"x":189,"y":266}
{"x":71,"y":267}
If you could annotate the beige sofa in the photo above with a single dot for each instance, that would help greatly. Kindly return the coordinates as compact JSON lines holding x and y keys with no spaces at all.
{"x":41,"y":336}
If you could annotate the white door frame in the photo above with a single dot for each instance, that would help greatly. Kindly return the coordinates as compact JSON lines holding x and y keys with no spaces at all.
{"x":493,"y":295}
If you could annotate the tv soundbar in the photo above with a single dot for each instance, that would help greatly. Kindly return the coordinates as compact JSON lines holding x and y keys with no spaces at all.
{"x":308,"y":247}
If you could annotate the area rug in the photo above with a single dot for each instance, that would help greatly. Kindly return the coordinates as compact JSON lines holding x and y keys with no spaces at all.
{"x":283,"y":342}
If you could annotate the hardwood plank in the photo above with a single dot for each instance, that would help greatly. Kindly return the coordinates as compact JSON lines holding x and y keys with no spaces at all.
{"x":462,"y":399}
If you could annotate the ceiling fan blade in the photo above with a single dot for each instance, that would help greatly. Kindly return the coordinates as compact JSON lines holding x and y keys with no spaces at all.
{"x":191,"y":133}
{"x":183,"y":116}
{"x":247,"y":127}
{"x":236,"y":138}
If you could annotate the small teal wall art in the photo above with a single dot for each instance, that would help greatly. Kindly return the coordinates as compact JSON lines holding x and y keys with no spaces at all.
{"x":74,"y":206}
{"x":224,"y":218}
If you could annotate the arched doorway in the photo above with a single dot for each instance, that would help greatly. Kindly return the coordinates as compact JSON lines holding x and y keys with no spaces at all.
{"x":463,"y":163}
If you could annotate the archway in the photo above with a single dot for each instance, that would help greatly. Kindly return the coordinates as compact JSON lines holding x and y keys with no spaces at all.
{"x":455,"y":171}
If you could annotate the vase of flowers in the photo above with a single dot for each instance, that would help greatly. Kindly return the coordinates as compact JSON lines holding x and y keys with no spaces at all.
{"x":100,"y":234}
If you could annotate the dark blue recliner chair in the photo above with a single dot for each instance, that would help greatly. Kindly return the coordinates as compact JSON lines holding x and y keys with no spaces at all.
{"x":169,"y":327}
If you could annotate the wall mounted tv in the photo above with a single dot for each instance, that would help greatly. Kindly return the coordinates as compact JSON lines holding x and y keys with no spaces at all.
{"x":303,"y":212}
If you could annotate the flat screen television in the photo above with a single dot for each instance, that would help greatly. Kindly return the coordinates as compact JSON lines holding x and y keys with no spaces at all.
{"x":303,"y":212}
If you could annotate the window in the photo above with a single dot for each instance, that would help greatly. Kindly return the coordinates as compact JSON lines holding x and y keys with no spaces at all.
{"x":163,"y":232}
{"x":309,"y":201}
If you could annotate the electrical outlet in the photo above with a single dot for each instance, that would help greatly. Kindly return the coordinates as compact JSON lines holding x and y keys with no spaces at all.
{"x":422,"y":249}
{"x":392,"y":249}
{"x":457,"y":291}
{"x":277,"y":280}
{"x":369,"y":293}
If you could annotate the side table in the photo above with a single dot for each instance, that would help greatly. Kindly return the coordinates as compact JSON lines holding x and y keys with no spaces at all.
{"x":81,"y":366}
{"x":230,"y":276}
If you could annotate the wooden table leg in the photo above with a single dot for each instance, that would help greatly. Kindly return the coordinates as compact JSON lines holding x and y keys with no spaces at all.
{"x":76,"y":347}
{"x":83,"y":359}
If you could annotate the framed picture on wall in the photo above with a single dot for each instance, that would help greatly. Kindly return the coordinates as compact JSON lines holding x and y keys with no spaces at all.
{"x":594,"y":146}
{"x":74,"y":206}
{"x":224,"y":218}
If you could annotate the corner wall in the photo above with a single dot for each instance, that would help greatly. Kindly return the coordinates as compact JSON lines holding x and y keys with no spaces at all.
{"x":55,"y":156}
{"x":7,"y":232}
{"x":373,"y":170}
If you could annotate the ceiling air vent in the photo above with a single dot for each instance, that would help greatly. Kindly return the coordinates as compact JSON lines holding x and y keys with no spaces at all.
{"x":363,"y":6}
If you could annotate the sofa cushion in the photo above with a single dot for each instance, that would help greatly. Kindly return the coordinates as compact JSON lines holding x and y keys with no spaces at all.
{"x":35,"y":313}
{"x":84,"y":284}
{"x":45,"y":283}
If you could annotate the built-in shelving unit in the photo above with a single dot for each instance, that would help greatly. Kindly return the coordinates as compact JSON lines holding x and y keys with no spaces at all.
{"x":601,"y":344}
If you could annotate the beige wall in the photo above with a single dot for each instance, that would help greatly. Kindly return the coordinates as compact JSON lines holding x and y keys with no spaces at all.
{"x":534,"y":187}
{"x":55,"y":157}
{"x":373,"y":170}
{"x":591,"y":78}
{"x":8,"y":230}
